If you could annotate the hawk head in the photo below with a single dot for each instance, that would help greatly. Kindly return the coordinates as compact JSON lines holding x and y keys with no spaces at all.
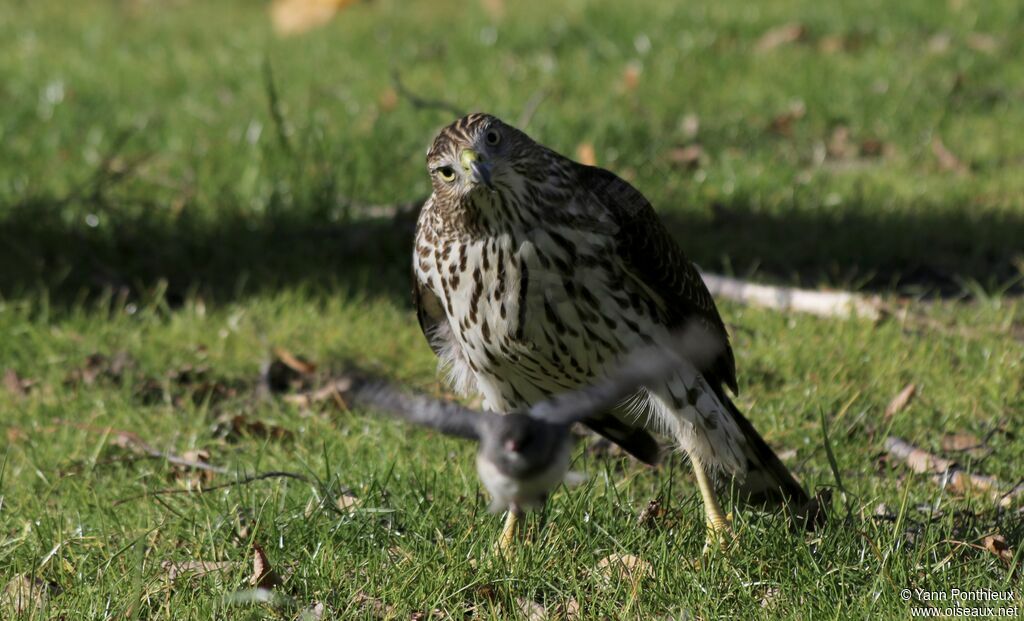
{"x":478,"y":156}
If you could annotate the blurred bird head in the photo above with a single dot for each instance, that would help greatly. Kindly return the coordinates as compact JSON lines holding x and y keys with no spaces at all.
{"x":520,"y":445}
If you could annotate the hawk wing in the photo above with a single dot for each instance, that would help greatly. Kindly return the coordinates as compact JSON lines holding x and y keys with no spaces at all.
{"x":656,"y":261}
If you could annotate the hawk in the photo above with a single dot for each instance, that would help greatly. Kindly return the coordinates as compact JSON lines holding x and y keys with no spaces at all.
{"x":535,"y":274}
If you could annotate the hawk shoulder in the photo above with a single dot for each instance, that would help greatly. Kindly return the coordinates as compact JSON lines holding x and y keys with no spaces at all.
{"x":652,"y":256}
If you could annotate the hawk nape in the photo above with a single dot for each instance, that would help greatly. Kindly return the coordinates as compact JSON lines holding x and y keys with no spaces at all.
{"x":534,"y":274}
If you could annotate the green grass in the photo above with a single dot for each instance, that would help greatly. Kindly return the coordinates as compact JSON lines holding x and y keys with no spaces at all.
{"x":150,"y":204}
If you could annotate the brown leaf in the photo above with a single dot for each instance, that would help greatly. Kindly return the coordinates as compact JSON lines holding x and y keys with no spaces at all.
{"x":191,"y":477}
{"x":996,"y":544}
{"x":388,"y":99}
{"x":177,"y":569}
{"x":982,"y":42}
{"x":100,"y":367}
{"x":960,"y":441}
{"x":263,"y":574}
{"x":651,"y":514}
{"x":781,"y":35}
{"x":15,"y":384}
{"x":233,"y":427}
{"x":690,"y":126}
{"x":873,"y":147}
{"x":900,"y":401}
{"x":26,"y":594}
{"x":631,"y":76}
{"x":374,"y":605}
{"x":292,"y":17}
{"x":625,"y":567}
{"x":347,"y":503}
{"x":531,"y":610}
{"x":687,"y":157}
{"x":783,"y":123}
{"x":838,"y":146}
{"x":296,"y":363}
{"x":585,"y":154}
{"x":831,"y":44}
{"x":494,"y":8}
{"x":947,"y":160}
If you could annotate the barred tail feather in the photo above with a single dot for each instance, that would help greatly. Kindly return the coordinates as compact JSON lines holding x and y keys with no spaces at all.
{"x":768,"y":482}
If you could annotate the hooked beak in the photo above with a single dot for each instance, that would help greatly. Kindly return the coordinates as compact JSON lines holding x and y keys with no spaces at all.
{"x":479,"y":170}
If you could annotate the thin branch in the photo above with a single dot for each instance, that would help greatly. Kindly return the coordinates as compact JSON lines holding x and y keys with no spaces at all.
{"x":276,"y":474}
{"x":821,"y":303}
{"x":274,"y":102}
{"x":422,"y":103}
{"x":949,"y":473}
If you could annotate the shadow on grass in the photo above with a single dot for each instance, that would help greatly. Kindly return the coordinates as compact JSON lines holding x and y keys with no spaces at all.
{"x":234,"y":253}
{"x":932,"y":250}
{"x":221,"y":258}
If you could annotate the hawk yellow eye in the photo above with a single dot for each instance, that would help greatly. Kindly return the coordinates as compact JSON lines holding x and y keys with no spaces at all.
{"x":493,"y":137}
{"x":447,"y":173}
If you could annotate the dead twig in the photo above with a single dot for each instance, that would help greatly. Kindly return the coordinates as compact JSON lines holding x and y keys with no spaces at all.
{"x":274,"y":474}
{"x":821,"y":303}
{"x":948,"y":473}
{"x":422,"y":103}
{"x":132,"y":441}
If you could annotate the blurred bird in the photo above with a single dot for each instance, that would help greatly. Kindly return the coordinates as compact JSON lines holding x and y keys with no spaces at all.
{"x":523,"y":456}
{"x":535,"y":274}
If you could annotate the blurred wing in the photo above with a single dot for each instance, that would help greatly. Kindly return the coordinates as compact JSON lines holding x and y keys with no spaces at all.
{"x":643,"y":367}
{"x":657,"y":262}
{"x":449,"y":418}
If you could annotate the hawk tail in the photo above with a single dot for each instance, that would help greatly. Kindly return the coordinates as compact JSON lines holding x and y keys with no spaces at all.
{"x":768,"y":482}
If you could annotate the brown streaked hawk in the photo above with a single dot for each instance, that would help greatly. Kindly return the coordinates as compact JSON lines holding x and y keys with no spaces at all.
{"x":534,"y":274}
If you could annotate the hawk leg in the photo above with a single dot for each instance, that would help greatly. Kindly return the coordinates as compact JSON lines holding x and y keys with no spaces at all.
{"x":718,"y":523}
{"x":508,"y":532}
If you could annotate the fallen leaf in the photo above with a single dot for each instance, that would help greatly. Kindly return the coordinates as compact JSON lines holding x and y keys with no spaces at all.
{"x":838,"y":146}
{"x":15,"y":384}
{"x":872,"y":147}
{"x":783,"y":123}
{"x":585,"y":154}
{"x":690,"y":126}
{"x":964,"y":442}
{"x":939,"y":43}
{"x":292,"y":17}
{"x":314,"y":612}
{"x":831,"y":44}
{"x":347,"y":503}
{"x":531,"y":610}
{"x":900,"y":401}
{"x":99,"y":366}
{"x":688,"y":157}
{"x":263,"y":574}
{"x":388,"y":99}
{"x":947,"y":160}
{"x":374,"y":605}
{"x":286,"y":372}
{"x":651,"y":514}
{"x":494,"y":8}
{"x":177,"y":569}
{"x":982,"y":42}
{"x":233,"y":427}
{"x":625,"y":567}
{"x":770,"y":595}
{"x":193,"y":478}
{"x":25,"y":594}
{"x":996,"y":544}
{"x":631,"y":76}
{"x":781,"y":35}
{"x":296,"y":363}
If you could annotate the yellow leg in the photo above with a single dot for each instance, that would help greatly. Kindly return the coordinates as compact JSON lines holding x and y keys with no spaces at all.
{"x":718,"y":523}
{"x":508,"y":532}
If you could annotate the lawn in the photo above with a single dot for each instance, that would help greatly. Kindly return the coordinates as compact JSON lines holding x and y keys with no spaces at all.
{"x":183,"y":191}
